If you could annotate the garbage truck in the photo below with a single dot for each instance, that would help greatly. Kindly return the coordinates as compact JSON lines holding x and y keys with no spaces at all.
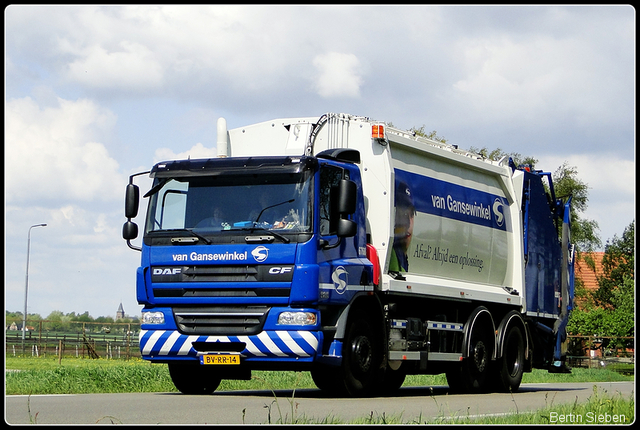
{"x":354,"y":250}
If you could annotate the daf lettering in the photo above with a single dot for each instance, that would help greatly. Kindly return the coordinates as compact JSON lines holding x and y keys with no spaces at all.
{"x":167,"y":271}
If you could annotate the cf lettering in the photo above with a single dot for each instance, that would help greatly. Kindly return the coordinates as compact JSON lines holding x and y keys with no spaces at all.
{"x":279,"y":270}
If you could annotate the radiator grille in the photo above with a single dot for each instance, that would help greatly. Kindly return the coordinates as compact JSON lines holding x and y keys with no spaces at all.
{"x":221,"y":292}
{"x":228,"y":320}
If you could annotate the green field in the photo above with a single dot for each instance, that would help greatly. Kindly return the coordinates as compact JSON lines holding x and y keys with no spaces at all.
{"x":83,"y":376}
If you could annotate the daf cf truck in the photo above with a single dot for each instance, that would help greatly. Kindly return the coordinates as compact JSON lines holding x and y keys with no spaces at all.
{"x":353,"y":250}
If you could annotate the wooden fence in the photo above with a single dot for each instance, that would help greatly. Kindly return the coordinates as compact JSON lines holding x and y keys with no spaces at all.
{"x":120,"y":341}
{"x":75,"y":339}
{"x":617,"y":353}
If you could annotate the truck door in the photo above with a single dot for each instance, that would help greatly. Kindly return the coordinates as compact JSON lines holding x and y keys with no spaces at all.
{"x":344,"y":269}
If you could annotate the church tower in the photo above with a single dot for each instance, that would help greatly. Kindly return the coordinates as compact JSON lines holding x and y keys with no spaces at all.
{"x":120,"y":312}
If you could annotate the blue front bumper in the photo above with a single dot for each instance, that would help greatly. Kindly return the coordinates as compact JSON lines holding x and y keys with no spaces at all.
{"x":165,"y":345}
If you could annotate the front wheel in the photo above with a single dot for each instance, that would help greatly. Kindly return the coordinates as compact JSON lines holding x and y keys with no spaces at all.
{"x":193,"y":378}
{"x":362,"y":356}
{"x":327,"y":378}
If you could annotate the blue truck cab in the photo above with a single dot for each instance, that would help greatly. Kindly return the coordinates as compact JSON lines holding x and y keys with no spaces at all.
{"x":249,"y":263}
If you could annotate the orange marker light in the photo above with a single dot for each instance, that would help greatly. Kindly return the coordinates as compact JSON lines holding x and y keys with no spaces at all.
{"x":377,"y":131}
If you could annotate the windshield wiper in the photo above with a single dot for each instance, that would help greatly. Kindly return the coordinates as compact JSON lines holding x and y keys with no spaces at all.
{"x":194,"y":236}
{"x":283,"y":238}
{"x":273,"y":206}
{"x":155,"y":189}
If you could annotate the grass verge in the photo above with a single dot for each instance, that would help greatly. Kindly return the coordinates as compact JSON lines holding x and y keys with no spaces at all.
{"x":83,"y":376}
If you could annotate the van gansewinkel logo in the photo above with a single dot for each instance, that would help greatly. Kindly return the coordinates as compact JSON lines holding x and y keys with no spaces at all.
{"x":340,"y":278}
{"x":260,"y":253}
{"x":498,"y":208}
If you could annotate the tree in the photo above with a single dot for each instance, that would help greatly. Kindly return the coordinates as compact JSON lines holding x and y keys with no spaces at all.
{"x":615,"y":286}
{"x":85,"y":317}
{"x":497,"y":154}
{"x":16,"y":317}
{"x":616,"y":283}
{"x":432,"y":135}
{"x":583,"y":231}
{"x":55,"y":321}
{"x":610,"y":310}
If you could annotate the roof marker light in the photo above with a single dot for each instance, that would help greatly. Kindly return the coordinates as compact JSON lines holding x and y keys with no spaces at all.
{"x":377,"y":131}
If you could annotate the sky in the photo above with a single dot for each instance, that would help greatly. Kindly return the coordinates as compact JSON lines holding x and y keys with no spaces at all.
{"x":94,"y":94}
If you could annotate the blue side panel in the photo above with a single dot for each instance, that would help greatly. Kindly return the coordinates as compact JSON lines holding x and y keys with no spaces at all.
{"x":462,"y":203}
{"x":543,"y":251}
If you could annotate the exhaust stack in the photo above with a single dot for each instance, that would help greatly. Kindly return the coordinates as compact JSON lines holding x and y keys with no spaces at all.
{"x":222,"y":142}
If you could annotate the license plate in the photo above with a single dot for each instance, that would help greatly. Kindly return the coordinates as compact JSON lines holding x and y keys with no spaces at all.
{"x":219,"y":359}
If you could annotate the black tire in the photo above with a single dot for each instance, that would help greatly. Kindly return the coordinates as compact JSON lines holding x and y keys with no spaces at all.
{"x":328,"y":379}
{"x":455,"y":380}
{"x":361,"y":357}
{"x":510,"y":366}
{"x":392,"y":380}
{"x":473,"y":375}
{"x":193,"y":378}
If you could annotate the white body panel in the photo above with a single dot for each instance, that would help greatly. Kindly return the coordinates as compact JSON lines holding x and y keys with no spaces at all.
{"x":468,"y":257}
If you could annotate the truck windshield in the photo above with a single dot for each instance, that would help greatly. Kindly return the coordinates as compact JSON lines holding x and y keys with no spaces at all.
{"x":213,"y":205}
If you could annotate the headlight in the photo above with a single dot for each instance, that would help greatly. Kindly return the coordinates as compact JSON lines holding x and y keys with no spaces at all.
{"x":152,"y":318}
{"x":297,"y":318}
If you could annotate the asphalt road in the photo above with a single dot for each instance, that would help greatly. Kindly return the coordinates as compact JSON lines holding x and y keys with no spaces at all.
{"x":261,"y":407}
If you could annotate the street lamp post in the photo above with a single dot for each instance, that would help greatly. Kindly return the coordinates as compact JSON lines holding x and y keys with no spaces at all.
{"x":26,"y":284}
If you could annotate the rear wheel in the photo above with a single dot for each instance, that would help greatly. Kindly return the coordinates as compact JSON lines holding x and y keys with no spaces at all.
{"x":193,"y":378}
{"x":392,"y":379}
{"x":511,"y":365}
{"x":472,"y":376}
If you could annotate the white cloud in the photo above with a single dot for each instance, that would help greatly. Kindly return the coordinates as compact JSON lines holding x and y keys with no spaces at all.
{"x":197,"y":151}
{"x":505,"y":77}
{"x":612,"y":187}
{"x":167,"y":49}
{"x":51,"y":154}
{"x":339,"y":75}
{"x":604,"y":173}
{"x":534,"y":77}
{"x":78,"y":261}
{"x":132,"y":67}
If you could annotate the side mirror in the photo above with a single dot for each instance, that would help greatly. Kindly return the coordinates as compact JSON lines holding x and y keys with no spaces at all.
{"x":131,"y":201}
{"x":347,"y":194}
{"x":346,"y":228}
{"x":343,"y":203}
{"x":129,"y":230}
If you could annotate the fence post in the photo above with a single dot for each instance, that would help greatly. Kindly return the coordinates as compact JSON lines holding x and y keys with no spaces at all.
{"x":60,"y":344}
{"x":128,"y":340}
{"x":40,"y":333}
